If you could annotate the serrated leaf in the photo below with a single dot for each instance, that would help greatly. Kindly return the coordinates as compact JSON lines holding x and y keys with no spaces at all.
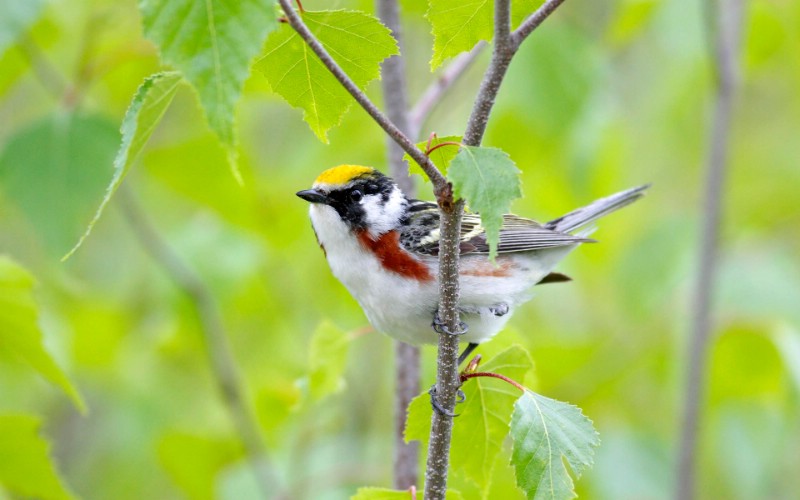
{"x":16,"y":16}
{"x":457,"y":26}
{"x":484,"y":416}
{"x":143,"y":115}
{"x":55,"y":171}
{"x":25,"y":465}
{"x":371,"y":493}
{"x":327,"y":360}
{"x":19,"y":333}
{"x":357,"y":41}
{"x":545,"y":432}
{"x":489,"y":181}
{"x":441,"y":157}
{"x":193,"y":461}
{"x":212,"y":43}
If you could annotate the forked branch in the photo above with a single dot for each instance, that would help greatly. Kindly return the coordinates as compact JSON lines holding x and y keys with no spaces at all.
{"x":296,"y":22}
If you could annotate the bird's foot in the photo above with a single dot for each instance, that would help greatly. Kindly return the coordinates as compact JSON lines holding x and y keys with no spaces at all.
{"x":441,"y":410}
{"x":440,"y":327}
{"x":499,"y":309}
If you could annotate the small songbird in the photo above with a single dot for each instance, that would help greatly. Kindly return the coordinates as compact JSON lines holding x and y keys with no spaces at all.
{"x":384,"y":248}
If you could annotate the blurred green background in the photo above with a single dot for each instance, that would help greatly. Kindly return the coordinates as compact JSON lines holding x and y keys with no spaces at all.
{"x":606,"y":95}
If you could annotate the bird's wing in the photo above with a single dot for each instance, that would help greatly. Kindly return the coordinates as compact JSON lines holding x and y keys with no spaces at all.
{"x":421,"y":233}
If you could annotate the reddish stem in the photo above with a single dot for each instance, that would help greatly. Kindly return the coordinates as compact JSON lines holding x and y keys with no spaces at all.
{"x":430,"y":140}
{"x":300,"y":6}
{"x":466,"y":376}
{"x":445,"y":143}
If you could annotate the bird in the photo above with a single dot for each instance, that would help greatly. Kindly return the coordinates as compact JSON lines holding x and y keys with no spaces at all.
{"x":383,"y":247}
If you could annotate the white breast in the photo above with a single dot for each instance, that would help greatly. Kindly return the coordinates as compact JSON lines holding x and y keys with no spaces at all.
{"x":402,"y":307}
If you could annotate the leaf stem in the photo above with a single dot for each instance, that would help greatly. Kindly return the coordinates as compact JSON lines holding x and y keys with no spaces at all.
{"x":440,"y":145}
{"x":296,"y":22}
{"x":467,"y":376}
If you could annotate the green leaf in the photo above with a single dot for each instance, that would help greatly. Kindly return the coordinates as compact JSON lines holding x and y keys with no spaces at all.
{"x":457,"y":26}
{"x":441,"y":157}
{"x":16,"y":16}
{"x":371,"y":493}
{"x":489,"y":181}
{"x":546,"y":432}
{"x":357,"y":42}
{"x":25,"y":466}
{"x":327,"y":360}
{"x":482,"y":425}
{"x":194,"y":461}
{"x":56,"y":170}
{"x":212,"y":43}
{"x":143,"y":115}
{"x":19,"y":333}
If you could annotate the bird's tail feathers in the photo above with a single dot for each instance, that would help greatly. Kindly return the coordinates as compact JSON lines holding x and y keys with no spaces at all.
{"x":599,"y":208}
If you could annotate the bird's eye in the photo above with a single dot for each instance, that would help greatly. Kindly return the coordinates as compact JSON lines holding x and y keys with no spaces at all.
{"x":356,"y":195}
{"x":371,"y":189}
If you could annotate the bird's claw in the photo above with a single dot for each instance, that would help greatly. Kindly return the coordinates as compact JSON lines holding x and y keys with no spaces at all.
{"x":440,"y":327}
{"x":500,"y":309}
{"x":438,"y":408}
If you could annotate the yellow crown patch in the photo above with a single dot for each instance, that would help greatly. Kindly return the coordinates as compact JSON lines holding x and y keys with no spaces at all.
{"x":342,"y":174}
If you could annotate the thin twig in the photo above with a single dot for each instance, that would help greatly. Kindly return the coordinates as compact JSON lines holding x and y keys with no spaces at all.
{"x":406,"y":358}
{"x":726,"y":24}
{"x":220,"y":357}
{"x":433,"y":95}
{"x":533,"y":21}
{"x":296,"y":22}
{"x":505,"y":46}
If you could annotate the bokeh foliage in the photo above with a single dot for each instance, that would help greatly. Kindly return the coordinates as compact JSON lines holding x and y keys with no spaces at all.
{"x":605,"y":96}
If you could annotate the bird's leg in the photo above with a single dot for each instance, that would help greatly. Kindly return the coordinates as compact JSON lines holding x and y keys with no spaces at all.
{"x":467,"y":351}
{"x":437,"y":407}
{"x":499,"y":309}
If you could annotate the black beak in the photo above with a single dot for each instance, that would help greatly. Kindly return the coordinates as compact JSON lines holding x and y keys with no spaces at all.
{"x":313,"y":196}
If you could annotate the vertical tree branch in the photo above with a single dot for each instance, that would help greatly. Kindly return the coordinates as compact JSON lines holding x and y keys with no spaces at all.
{"x":727,"y":18}
{"x":223,"y":366}
{"x":506,"y":45}
{"x":447,"y":380}
{"x":406,"y":358}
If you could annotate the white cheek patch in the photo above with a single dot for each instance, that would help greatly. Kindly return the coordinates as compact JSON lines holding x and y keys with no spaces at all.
{"x":382,"y":217}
